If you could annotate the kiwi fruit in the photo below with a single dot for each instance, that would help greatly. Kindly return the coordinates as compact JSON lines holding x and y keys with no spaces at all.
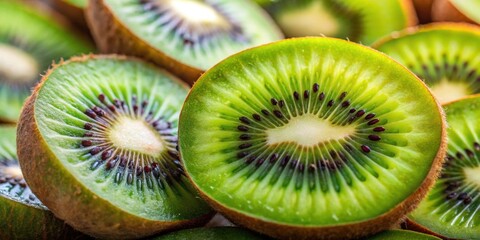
{"x":452,"y":207}
{"x":358,"y":20}
{"x":104,"y":131}
{"x":312,"y":138}
{"x":444,"y":55}
{"x":184,"y":36}
{"x":74,"y":10}
{"x":23,"y":215}
{"x":30,"y":40}
{"x":216,"y":233}
{"x":456,"y":11}
{"x":401,"y":235}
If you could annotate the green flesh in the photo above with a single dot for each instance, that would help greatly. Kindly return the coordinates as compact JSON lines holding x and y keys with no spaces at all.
{"x":362,"y":186}
{"x":452,"y":217}
{"x":40,"y":37}
{"x":358,"y":20}
{"x":468,"y":8}
{"x":157,"y":31}
{"x":402,"y":235}
{"x":438,"y":53}
{"x":8,"y":159}
{"x":232,"y":233}
{"x":59,"y":112}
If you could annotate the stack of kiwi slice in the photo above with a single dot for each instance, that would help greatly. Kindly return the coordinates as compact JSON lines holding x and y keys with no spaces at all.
{"x":358,"y":20}
{"x":314,"y":141}
{"x":444,"y":55}
{"x":29,"y":41}
{"x":102,"y":155}
{"x":184,"y":36}
{"x":303,"y":138}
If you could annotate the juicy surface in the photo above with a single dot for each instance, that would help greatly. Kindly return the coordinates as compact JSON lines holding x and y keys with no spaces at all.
{"x":344,"y":186}
{"x":439,"y":53}
{"x":358,"y":20}
{"x":232,"y":233}
{"x":159,"y":31}
{"x":402,"y":235}
{"x":38,"y":35}
{"x":59,"y":113}
{"x":454,"y":218}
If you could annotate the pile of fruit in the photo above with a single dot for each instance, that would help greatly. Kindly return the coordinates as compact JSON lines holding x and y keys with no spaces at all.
{"x":193,"y":119}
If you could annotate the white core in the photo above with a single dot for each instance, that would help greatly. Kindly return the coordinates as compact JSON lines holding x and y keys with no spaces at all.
{"x":16,"y":65}
{"x":197,"y":12}
{"x":308,"y":130}
{"x":137,"y":136}
{"x":472,"y":175}
{"x":447,"y":91}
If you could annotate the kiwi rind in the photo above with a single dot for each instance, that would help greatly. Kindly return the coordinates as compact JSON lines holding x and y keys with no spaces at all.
{"x":429,"y":224}
{"x":341,"y":231}
{"x":423,"y":8}
{"x":233,"y":233}
{"x":22,"y":220}
{"x":113,"y":36}
{"x":72,"y":201}
{"x":73,"y":11}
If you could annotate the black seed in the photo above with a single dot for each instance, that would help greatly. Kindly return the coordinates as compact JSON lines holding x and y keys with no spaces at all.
{"x":106,"y":155}
{"x":242,"y":154}
{"x":256,"y":117}
{"x":365,"y":148}
{"x":88,"y":126}
{"x":90,"y":113}
{"x":110,"y":164}
{"x":370,"y":116}
{"x":333,"y":154}
{"x":245,"y":137}
{"x":244,"y":145}
{"x":117,"y":103}
{"x":135,"y":108}
{"x":476,"y":146}
{"x":172,"y":154}
{"x":374,"y":121}
{"x":98,"y":111}
{"x":22,"y":183}
{"x":281,"y":103}
{"x":312,"y":167}
{"x":86,"y":143}
{"x":451,"y":195}
{"x":285,"y":160}
{"x":301,"y":167}
{"x":260,"y":162}
{"x":101,"y":97}
{"x":88,"y":134}
{"x":321,"y":96}
{"x":360,"y":113}
{"x":31,"y":197}
{"x":278,"y":113}
{"x":462,"y":196}
{"x":242,"y":128}
{"x":250,"y":159}
{"x":95,"y":150}
{"x":274,"y":101}
{"x":467,"y":200}
{"x":379,"y":129}
{"x":138,"y":170}
{"x":459,"y":155}
{"x":469,"y":153}
{"x":352,"y":110}
{"x":330,"y":103}
{"x":296,"y":95}
{"x":293,"y":163}
{"x":306,"y":93}
{"x":345,"y":104}
{"x":273,"y":157}
{"x":265,"y":112}
{"x":342,"y":96}
{"x":315,"y":87}
{"x":176,"y":148}
{"x":374,"y":137}
{"x":144,"y":103}
{"x":147,"y":169}
{"x":244,"y":120}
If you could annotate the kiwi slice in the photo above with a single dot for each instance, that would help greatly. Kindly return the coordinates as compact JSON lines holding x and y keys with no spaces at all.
{"x":232,"y":233}
{"x":23,"y":215}
{"x":317,"y":137}
{"x":184,"y":36}
{"x":29,"y":41}
{"x":402,"y":235}
{"x":358,"y":20}
{"x":104,"y":131}
{"x":456,"y":11}
{"x":444,"y":55}
{"x":452,"y":207}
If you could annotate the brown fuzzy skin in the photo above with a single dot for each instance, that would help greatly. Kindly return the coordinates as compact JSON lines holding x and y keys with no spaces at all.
{"x":74,"y":13}
{"x":411,"y":225}
{"x":66,"y":197}
{"x":388,"y":220}
{"x":444,"y":11}
{"x":112,"y":36}
{"x":424,"y":10}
